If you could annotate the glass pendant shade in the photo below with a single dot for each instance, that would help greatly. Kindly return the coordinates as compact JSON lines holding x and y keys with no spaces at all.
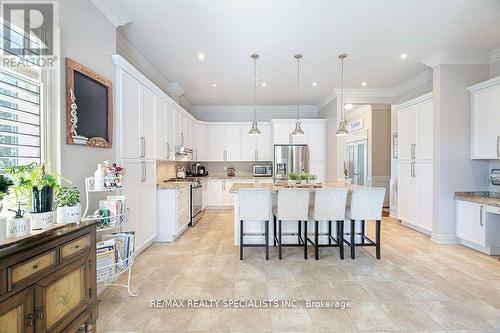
{"x":298,"y":130}
{"x":342,"y":129}
{"x":255,"y":129}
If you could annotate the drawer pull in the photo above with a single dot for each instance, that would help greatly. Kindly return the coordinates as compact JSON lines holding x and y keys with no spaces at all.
{"x":30,"y":319}
{"x":77,"y":246}
{"x":35,"y":266}
{"x":40,"y":312}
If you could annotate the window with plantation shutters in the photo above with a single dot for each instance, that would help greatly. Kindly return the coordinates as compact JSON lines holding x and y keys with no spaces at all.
{"x":20,"y":107}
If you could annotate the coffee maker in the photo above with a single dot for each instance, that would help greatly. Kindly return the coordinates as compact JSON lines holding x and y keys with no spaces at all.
{"x":199,"y":170}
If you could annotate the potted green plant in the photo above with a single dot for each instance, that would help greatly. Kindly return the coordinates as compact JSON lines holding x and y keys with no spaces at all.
{"x":5,"y":184}
{"x":67,"y":201}
{"x":292,"y":178}
{"x":303,"y":177}
{"x":34,"y":182}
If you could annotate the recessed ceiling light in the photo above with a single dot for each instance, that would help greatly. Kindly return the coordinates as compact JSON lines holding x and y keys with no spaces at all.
{"x":403,"y":56}
{"x":214,"y":84}
{"x":201,"y":56}
{"x":363,"y":83}
{"x":314,"y":84}
{"x":348,"y":106}
{"x":264,"y":84}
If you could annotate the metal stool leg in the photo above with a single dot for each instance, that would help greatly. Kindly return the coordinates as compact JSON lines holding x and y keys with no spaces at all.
{"x":241,"y":239}
{"x":279,"y":240}
{"x":377,"y":238}
{"x":330,"y":232}
{"x":316,"y":242}
{"x":305,"y":239}
{"x":362,"y":231}
{"x":274,"y":235}
{"x":352,"y":234}
{"x":267,"y":239}
{"x":340,"y":238}
{"x":299,"y":230}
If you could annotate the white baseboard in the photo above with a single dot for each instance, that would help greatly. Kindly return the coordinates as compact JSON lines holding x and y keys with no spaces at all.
{"x":491,"y":251}
{"x":444,"y":239}
{"x":416,"y":228}
{"x":218,"y":207}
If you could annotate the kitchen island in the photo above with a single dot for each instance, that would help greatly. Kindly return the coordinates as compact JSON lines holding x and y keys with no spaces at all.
{"x":255,"y":229}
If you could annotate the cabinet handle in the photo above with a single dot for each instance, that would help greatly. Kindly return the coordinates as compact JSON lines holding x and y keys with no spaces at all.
{"x":182,"y":139}
{"x":481,"y":222}
{"x":256,"y":155}
{"x":35,"y":266}
{"x":498,"y":149}
{"x":143,"y":171}
{"x":39,"y":310}
{"x":30,"y":319}
{"x":143,"y":146}
{"x":414,"y":173}
{"x":168,"y":151}
{"x":224,"y":157}
{"x":223,"y":185}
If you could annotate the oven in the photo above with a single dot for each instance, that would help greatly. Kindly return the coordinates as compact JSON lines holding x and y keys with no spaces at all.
{"x":196,"y":202}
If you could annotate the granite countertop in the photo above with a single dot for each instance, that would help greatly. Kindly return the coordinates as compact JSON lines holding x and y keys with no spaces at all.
{"x":480,"y":197}
{"x":274,"y":187}
{"x":57,"y":229}
{"x":172,"y":185}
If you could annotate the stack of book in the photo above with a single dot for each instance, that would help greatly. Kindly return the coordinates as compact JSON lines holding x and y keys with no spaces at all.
{"x":114,"y":254}
{"x":113,"y":209}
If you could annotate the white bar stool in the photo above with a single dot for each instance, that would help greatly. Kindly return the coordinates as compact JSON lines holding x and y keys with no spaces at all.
{"x":366,"y":204}
{"x":293,"y":205}
{"x":254,"y":205}
{"x":329,"y":205}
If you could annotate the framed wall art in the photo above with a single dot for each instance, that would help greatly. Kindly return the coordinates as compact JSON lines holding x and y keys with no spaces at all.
{"x":89,"y":107}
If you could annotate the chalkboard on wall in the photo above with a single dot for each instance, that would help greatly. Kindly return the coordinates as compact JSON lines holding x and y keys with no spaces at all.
{"x":89,"y":116}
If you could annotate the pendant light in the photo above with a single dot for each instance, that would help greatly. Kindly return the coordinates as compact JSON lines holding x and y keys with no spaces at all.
{"x":298,"y":130}
{"x":342,"y":130}
{"x":255,"y":129}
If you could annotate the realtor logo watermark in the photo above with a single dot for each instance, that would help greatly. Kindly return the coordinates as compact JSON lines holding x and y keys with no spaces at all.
{"x":28,"y":33}
{"x":249,"y":304}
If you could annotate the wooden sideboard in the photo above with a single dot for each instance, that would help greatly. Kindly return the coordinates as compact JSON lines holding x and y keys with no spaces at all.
{"x":48,"y":281}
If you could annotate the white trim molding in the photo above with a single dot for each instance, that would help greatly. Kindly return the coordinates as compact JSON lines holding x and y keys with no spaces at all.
{"x":304,"y":109}
{"x":412,"y":83}
{"x":485,"y":84}
{"x":458,"y":58}
{"x":444,"y":239}
{"x":111,"y":12}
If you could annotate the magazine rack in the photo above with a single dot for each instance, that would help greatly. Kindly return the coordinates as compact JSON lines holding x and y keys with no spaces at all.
{"x":109,"y":274}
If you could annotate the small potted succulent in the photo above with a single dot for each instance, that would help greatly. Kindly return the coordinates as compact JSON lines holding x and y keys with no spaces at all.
{"x":67,"y":201}
{"x":304,"y":177}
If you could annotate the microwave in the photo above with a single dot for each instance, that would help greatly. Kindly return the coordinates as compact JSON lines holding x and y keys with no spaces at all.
{"x":263,"y":170}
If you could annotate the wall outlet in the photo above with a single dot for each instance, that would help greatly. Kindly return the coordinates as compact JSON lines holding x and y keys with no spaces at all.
{"x":225,"y":168}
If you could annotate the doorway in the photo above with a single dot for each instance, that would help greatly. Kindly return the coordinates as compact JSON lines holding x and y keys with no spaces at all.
{"x":356,"y":159}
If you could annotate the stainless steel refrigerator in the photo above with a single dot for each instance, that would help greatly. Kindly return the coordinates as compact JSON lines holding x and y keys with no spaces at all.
{"x":290,"y":158}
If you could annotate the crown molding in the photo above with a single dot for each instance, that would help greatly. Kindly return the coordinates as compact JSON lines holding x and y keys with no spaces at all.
{"x":495,"y":55}
{"x":458,"y":58}
{"x":412,"y":83}
{"x":111,"y":12}
{"x":175,"y":88}
{"x":249,"y":108}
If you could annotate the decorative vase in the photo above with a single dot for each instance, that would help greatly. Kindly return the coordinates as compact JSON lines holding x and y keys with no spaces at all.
{"x":69,"y":214}
{"x":42,"y":199}
{"x":17,"y":227}
{"x":41,"y":220}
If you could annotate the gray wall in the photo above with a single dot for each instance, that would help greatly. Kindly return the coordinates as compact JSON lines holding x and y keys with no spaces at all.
{"x":330,"y":113}
{"x":495,"y":69}
{"x":89,"y":38}
{"x":453,"y":168}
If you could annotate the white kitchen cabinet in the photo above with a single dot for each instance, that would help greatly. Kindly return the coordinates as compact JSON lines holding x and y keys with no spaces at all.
{"x":316,"y":140}
{"x":148,"y":123}
{"x":169,"y":131}
{"x":264,"y":145}
{"x":318,"y":169}
{"x":415,"y":181}
{"x":200,"y":142}
{"x":186,"y":131}
{"x":248,"y":145}
{"x":130,"y":94}
{"x":478,"y":226}
{"x":281,"y":132}
{"x":485,"y":106}
{"x":176,"y":127}
{"x":173,"y":213}
{"x":140,"y":191}
{"x":228,"y":197}
{"x":232,"y":142}
{"x":215,"y":193}
{"x":161,"y":151}
{"x":216,"y":143}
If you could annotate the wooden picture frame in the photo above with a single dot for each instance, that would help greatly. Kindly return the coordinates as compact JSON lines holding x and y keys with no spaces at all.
{"x":89,"y":107}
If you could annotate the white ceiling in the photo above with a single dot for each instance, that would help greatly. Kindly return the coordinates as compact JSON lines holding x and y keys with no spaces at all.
{"x":170,"y":34}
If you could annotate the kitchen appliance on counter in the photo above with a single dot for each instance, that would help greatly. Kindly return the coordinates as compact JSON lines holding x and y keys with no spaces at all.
{"x":198,"y":170}
{"x":290,"y":159}
{"x":262,"y":170}
{"x":196,"y":196}
{"x":495,"y":177}
{"x":231,"y":172}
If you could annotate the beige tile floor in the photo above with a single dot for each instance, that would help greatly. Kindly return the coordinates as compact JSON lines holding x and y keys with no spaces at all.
{"x":417,"y":286}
